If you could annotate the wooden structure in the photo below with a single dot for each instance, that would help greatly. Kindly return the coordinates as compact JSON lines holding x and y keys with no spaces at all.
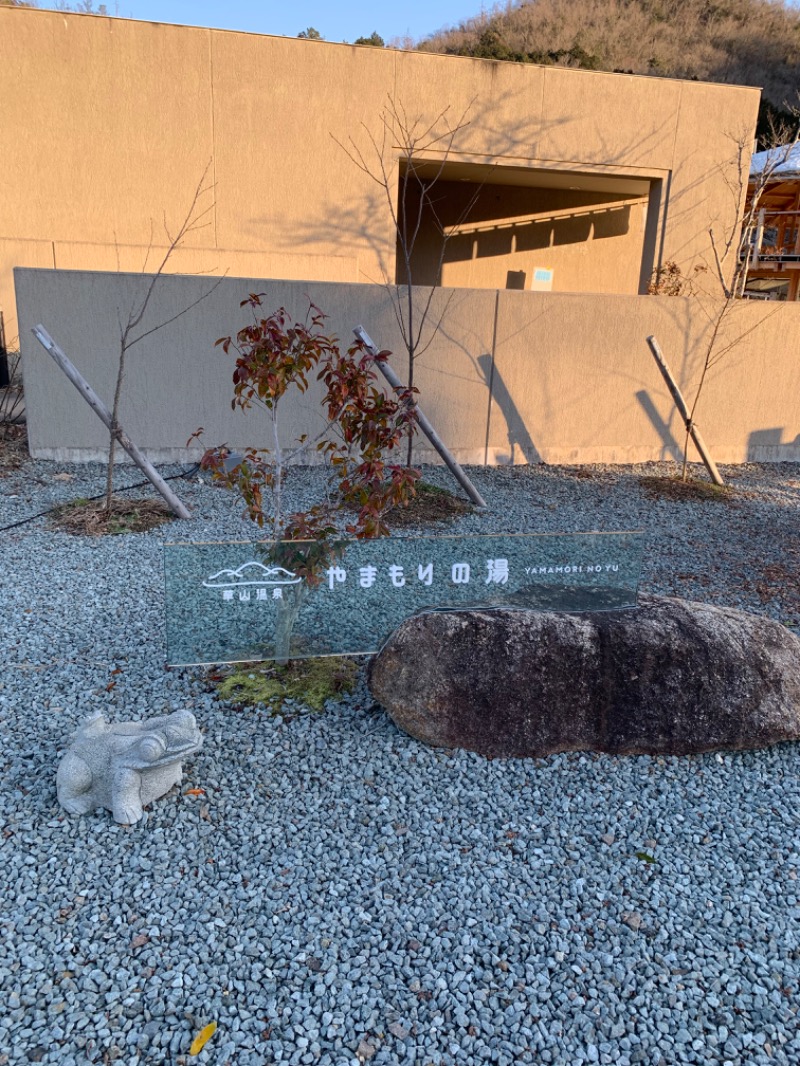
{"x":773,"y":271}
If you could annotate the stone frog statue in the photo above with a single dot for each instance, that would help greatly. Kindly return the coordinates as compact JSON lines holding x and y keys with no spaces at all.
{"x":125,"y":765}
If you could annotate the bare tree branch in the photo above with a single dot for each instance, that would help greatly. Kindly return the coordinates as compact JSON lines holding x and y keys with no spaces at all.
{"x":193,"y":220}
{"x":737,"y":239}
{"x":409,"y":157}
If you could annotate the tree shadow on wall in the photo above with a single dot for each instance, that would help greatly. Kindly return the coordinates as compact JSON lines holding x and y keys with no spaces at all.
{"x":346,"y":227}
{"x":670,"y":448}
{"x":521,"y":446}
{"x":520,"y":443}
{"x":343,"y":226}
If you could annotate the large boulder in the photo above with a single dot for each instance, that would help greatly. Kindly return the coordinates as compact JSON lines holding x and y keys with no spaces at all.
{"x":668,"y":676}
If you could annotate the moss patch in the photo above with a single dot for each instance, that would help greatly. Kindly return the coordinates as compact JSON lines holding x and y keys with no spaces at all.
{"x":309,"y":681}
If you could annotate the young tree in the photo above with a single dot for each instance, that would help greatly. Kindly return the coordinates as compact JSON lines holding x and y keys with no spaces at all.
{"x":407,"y":160}
{"x":133,"y":327}
{"x":718,"y":282}
{"x":363,"y":428}
{"x":311,"y":34}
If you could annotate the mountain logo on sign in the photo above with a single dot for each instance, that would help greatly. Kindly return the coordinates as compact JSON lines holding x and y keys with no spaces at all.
{"x":251,"y":573}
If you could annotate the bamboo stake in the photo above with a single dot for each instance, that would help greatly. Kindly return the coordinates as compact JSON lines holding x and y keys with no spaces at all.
{"x":424,"y":424}
{"x":100,"y":409}
{"x":683,"y":411}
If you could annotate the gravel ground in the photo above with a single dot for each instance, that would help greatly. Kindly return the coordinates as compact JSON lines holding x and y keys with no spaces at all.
{"x":339,"y":893}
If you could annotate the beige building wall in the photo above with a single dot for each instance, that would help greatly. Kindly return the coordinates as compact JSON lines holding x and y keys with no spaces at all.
{"x":72,"y":255}
{"x":511,"y":377}
{"x":108,"y":125}
{"x":18,"y":253}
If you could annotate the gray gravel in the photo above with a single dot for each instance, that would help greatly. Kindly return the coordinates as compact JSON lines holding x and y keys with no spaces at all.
{"x":341,"y":893}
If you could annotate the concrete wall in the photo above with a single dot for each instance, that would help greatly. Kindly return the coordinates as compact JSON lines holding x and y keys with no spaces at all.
{"x":512,"y":377}
{"x":82,"y":255}
{"x":107,"y":125}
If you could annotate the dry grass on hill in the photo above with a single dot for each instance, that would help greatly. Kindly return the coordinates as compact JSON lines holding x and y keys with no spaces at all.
{"x":746,"y":42}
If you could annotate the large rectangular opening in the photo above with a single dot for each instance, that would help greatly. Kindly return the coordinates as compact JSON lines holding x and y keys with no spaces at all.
{"x":480,"y":226}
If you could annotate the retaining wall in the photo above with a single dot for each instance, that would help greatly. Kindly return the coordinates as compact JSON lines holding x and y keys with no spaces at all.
{"x":511,"y":377}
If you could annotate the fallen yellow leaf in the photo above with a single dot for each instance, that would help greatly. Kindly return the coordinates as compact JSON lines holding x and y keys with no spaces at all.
{"x":202,"y":1038}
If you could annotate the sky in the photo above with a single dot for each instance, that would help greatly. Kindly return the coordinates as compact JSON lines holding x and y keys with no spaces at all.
{"x":342,"y":21}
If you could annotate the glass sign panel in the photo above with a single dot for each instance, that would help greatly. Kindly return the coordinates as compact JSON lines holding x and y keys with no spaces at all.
{"x":249,"y":601}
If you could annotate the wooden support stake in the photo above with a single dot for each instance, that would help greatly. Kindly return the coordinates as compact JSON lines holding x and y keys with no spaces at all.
{"x":100,"y":409}
{"x":424,"y":424}
{"x":683,"y":411}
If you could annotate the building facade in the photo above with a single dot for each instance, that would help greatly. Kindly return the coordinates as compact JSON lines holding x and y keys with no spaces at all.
{"x":561,"y":179}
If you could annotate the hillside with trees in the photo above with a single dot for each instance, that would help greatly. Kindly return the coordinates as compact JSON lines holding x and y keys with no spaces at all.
{"x":743,"y":42}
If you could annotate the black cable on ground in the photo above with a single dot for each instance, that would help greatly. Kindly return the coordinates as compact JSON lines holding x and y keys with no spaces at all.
{"x":138,"y":485}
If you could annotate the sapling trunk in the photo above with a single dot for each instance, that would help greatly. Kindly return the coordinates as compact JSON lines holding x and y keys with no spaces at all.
{"x":416,"y":138}
{"x":114,"y":429}
{"x":289,"y":607}
{"x":130,"y":334}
